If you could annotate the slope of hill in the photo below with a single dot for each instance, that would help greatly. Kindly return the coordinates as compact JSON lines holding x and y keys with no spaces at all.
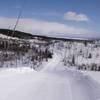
{"x":17,"y":34}
{"x":24,"y":35}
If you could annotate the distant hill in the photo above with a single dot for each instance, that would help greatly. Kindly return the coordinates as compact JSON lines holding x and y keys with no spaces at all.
{"x":24,"y":35}
{"x":17,"y":34}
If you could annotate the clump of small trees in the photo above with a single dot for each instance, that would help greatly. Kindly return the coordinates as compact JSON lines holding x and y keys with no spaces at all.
{"x":16,"y":52}
{"x":82,"y":55}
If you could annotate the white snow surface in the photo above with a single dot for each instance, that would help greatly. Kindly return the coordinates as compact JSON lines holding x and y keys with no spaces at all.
{"x":7,"y":37}
{"x":53,"y":82}
{"x":94,"y":75}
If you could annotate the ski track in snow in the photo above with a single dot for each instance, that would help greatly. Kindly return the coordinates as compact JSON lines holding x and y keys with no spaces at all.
{"x":53,"y":82}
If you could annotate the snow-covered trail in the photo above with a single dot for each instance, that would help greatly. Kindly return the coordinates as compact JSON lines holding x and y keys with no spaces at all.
{"x":53,"y":82}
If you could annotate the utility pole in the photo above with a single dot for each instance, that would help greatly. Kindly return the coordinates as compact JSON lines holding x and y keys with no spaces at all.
{"x":19,"y":16}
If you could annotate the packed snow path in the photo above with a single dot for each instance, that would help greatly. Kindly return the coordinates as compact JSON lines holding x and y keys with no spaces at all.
{"x":53,"y":82}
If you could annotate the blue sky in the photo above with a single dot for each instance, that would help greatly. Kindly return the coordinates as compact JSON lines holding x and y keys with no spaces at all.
{"x":80,"y":14}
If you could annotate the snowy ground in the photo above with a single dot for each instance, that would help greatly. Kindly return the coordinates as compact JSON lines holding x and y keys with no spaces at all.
{"x":94,"y":75}
{"x":53,"y":82}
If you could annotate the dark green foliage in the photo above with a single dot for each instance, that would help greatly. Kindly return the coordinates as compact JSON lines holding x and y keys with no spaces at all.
{"x":41,"y":55}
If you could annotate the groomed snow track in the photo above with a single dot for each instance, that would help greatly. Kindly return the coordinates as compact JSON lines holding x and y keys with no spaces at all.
{"x":53,"y":82}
